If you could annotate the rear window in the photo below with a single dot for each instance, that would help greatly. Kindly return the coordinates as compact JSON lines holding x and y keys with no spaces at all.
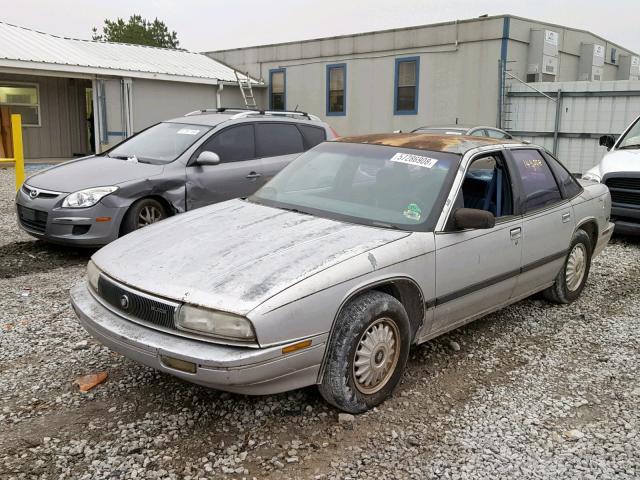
{"x":568,"y":184}
{"x":273,"y":139}
{"x":312,"y":135}
{"x":539,"y":185}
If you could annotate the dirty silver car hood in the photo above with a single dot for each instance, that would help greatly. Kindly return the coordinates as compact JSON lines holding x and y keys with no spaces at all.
{"x":234,"y":255}
{"x":91,"y":172}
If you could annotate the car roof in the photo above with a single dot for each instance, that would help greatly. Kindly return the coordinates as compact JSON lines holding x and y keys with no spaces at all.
{"x":459,"y":144}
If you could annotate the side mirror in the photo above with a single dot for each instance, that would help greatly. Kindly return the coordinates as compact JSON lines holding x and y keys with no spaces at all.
{"x":464,"y":218}
{"x":208,"y":158}
{"x":607,"y":141}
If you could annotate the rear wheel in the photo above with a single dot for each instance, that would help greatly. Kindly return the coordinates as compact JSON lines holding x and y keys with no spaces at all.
{"x":572,"y":278}
{"x":142,"y":213}
{"x":367,"y":353}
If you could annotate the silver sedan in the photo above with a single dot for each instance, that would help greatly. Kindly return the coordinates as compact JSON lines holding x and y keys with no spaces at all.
{"x":358,"y":249}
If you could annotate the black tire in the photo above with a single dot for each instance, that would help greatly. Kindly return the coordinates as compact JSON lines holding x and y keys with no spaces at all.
{"x":132,"y":220}
{"x":560,"y":291}
{"x":364,"y":316}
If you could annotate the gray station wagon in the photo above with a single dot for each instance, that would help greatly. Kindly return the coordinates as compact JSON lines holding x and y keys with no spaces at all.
{"x":356,"y":250}
{"x":201,"y":158}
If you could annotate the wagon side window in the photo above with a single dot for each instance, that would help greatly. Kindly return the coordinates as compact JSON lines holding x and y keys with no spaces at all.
{"x":487,"y":186}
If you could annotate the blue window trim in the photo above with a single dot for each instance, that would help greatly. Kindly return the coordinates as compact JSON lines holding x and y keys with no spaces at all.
{"x":330,"y":67}
{"x":271,"y":72}
{"x":395,"y":86}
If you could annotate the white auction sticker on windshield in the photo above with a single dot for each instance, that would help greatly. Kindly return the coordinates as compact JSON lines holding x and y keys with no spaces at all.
{"x":411,"y":159}
{"x":187,"y":131}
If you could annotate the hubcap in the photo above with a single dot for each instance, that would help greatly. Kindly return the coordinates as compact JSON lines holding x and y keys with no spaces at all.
{"x":376,"y":356}
{"x":576,"y":266}
{"x":148,"y":215}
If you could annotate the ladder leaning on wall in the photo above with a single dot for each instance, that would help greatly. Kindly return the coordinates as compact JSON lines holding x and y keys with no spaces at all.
{"x":244,"y":83}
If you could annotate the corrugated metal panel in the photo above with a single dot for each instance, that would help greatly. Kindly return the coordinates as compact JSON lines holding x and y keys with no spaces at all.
{"x":589,"y":109}
{"x":37,"y":48}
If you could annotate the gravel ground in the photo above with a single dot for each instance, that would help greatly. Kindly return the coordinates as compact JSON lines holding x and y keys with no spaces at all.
{"x":533,"y":391}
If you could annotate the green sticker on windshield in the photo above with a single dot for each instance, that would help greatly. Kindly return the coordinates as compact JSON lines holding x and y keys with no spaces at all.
{"x":413,"y":212}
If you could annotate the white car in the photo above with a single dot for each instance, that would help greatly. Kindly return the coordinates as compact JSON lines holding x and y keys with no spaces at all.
{"x":620,"y":171}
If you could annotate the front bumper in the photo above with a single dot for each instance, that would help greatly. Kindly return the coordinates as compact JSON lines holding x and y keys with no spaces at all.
{"x":627,"y":219}
{"x":68,"y":226}
{"x":244,"y":370}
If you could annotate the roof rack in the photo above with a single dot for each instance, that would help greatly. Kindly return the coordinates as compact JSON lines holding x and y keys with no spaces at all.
{"x":246,"y":112}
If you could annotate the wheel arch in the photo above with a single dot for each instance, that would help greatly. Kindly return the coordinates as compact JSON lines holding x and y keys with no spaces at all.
{"x":170,"y":209}
{"x":590,"y":226}
{"x":404,"y":289}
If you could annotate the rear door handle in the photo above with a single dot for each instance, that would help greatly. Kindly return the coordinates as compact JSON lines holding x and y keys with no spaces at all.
{"x":253,"y":175}
{"x":516,"y":233}
{"x":566,"y":217}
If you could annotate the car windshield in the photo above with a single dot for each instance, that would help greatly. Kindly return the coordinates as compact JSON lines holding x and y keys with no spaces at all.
{"x":632,"y":138}
{"x":162,"y":143}
{"x":368,"y":184}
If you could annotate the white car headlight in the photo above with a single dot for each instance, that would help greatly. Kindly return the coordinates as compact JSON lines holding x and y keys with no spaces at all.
{"x":591,"y":176}
{"x":212,"y":322}
{"x":87,"y":198}
{"x":93,"y":274}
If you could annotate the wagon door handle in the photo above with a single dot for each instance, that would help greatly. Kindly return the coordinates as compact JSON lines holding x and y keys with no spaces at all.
{"x":516,"y":233}
{"x":566,"y":217}
{"x":253,"y":175}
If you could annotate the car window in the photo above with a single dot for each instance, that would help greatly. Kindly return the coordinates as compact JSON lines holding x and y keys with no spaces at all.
{"x":495,"y":133}
{"x":539,"y":185}
{"x":480,"y":132}
{"x":487,"y":187}
{"x":274,"y":139}
{"x":312,"y":135}
{"x":569,"y":185}
{"x":233,"y":144}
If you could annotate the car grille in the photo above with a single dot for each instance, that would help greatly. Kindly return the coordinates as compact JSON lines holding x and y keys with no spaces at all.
{"x":35,"y":220}
{"x":137,"y":306}
{"x":624,"y":190}
{"x":40,"y":193}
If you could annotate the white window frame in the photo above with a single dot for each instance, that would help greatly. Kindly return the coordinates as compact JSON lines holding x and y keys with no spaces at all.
{"x":13,"y":104}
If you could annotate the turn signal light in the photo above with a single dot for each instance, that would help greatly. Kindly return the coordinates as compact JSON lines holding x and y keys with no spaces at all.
{"x":296,"y":346}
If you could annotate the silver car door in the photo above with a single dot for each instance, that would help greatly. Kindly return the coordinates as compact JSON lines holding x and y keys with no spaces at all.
{"x":277,"y":144}
{"x":477,"y":270}
{"x":237,"y":175}
{"x":548,"y":222}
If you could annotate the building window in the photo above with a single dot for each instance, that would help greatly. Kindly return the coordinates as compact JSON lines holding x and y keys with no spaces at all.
{"x":406,"y":86}
{"x":336,"y":89}
{"x":277,"y":89}
{"x":22,"y":98}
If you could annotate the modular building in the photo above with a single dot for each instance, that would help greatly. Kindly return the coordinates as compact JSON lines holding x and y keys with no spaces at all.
{"x":445,"y":73}
{"x":77,"y":96}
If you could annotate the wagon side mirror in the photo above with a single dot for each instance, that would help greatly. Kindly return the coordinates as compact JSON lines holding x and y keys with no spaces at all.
{"x":208,"y":158}
{"x":607,"y":141}
{"x":464,"y":218}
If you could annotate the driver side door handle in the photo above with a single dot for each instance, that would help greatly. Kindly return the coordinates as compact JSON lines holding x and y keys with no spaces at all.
{"x":253,"y":175}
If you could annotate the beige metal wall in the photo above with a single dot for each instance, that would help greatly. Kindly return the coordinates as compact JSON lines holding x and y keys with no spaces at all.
{"x":458,"y":70}
{"x":63,"y":124}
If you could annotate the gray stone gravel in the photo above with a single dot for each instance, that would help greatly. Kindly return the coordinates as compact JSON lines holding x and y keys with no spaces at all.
{"x":534,"y":391}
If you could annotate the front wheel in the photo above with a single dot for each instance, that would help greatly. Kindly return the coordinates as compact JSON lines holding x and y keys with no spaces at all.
{"x":142,"y":213}
{"x":367,"y":353}
{"x":572,"y":278}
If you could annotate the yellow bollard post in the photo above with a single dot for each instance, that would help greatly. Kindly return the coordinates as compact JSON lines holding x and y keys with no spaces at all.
{"x":18,"y":153}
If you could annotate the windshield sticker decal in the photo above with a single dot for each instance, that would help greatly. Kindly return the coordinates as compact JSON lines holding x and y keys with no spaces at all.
{"x":413,"y":212}
{"x":187,"y":131}
{"x":410,"y":159}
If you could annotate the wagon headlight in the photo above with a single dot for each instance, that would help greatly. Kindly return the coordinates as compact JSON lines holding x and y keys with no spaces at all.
{"x":212,"y":322}
{"x":87,"y":198}
{"x":591,"y":176}
{"x":93,"y":274}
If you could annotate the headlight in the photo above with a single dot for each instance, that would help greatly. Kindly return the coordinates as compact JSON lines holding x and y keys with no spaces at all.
{"x":87,"y":198}
{"x":591,"y":176}
{"x":212,"y":322}
{"x":93,"y":274}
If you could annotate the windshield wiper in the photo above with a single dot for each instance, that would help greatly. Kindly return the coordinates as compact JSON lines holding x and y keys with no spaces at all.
{"x":386,"y":225}
{"x":294,"y":210}
{"x":633,"y":146}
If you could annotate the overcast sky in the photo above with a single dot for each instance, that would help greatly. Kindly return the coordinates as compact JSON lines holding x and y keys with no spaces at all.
{"x":218,"y":24}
